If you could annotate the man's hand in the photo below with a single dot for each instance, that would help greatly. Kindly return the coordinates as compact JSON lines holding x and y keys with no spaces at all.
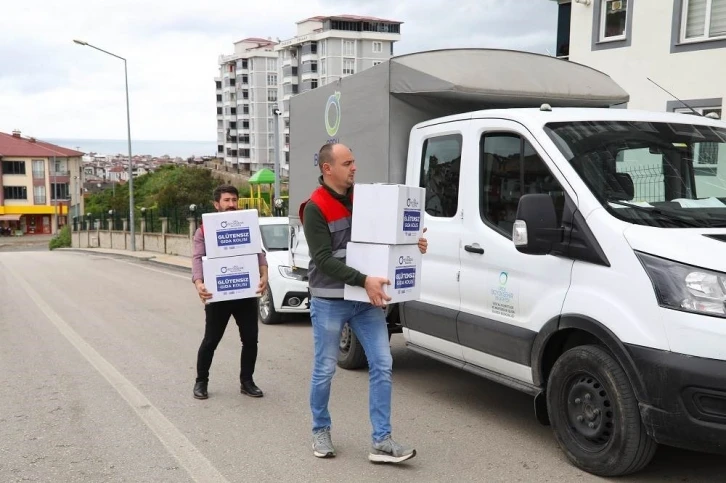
{"x":423,"y":243}
{"x":262,"y":285}
{"x":202,"y":291}
{"x":374,"y":289}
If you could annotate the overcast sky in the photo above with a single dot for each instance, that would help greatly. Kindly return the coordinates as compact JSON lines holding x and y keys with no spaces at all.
{"x":53,"y":88}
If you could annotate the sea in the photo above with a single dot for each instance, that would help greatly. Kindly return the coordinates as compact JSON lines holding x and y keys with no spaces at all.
{"x":182,"y":149}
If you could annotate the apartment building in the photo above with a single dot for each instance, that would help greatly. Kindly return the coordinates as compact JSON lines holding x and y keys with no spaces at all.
{"x":678,"y":44}
{"x":263,"y":74}
{"x":40,"y":185}
{"x":246,"y":93}
{"x":326,"y":49}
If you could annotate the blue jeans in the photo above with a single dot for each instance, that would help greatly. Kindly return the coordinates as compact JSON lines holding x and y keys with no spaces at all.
{"x":369,"y":325}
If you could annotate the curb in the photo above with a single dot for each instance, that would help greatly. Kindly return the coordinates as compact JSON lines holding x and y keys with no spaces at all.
{"x":150,"y":259}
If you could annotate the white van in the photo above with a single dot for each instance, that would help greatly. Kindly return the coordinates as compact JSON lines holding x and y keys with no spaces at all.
{"x":578,"y":255}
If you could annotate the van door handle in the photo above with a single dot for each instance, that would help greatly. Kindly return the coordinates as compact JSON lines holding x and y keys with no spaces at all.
{"x":473,"y":249}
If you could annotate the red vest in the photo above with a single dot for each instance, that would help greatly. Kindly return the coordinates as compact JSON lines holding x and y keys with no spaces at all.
{"x":338,"y":218}
{"x":331,"y":208}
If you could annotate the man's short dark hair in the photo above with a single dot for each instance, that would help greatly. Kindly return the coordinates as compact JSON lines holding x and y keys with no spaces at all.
{"x":325,"y":155}
{"x":225,"y":188}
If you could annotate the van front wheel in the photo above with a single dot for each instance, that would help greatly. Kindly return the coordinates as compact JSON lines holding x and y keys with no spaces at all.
{"x":594,"y":414}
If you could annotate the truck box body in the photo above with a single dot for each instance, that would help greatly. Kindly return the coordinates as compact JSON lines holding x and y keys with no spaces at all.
{"x":372,"y":112}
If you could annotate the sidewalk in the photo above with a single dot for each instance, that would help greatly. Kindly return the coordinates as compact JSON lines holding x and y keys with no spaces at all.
{"x":160,"y":258}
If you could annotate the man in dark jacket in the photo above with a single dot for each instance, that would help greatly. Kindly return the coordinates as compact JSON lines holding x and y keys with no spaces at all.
{"x":327,"y":225}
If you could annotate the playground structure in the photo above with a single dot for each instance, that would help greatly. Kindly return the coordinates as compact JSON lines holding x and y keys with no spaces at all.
{"x":259,"y":200}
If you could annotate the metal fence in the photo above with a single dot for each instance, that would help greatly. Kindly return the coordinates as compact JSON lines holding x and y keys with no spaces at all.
{"x":648,"y":182}
{"x":178,"y":218}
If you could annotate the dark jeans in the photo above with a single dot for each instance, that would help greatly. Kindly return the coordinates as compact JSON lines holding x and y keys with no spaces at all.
{"x":217,"y":316}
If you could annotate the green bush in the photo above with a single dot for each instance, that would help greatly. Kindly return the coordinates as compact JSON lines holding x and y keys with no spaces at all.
{"x":62,"y":239}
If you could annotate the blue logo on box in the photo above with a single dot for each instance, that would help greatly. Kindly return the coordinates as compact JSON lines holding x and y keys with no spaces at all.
{"x":231,"y":283}
{"x":405,"y":278}
{"x":411,"y":220}
{"x":235,"y":237}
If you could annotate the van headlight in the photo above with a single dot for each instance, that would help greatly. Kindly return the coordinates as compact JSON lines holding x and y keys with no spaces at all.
{"x":288,"y":272}
{"x":683,"y":287}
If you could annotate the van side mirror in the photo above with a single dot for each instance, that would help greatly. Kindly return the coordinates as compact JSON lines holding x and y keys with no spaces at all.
{"x":535,"y":228}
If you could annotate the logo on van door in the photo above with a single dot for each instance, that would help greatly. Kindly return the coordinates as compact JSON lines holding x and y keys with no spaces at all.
{"x":503,"y":277}
{"x":332,"y":123}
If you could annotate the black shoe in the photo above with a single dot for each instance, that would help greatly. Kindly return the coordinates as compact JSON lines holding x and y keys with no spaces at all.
{"x":200,"y":390}
{"x":249,"y":388}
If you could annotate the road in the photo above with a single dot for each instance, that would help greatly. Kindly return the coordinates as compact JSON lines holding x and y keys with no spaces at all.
{"x":98,"y":358}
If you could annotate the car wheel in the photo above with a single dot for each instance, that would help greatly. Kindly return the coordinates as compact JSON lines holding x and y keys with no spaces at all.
{"x":350,"y":353}
{"x":266,"y":309}
{"x":594,"y":414}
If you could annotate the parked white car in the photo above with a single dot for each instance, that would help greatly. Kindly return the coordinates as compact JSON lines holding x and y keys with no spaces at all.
{"x":287,"y":291}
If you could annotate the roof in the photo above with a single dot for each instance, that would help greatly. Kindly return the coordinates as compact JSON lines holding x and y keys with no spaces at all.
{"x":257,"y":40}
{"x":353,"y":18}
{"x":28,"y":147}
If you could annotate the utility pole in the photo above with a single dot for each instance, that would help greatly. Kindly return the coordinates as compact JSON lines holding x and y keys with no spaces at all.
{"x":276,"y":117}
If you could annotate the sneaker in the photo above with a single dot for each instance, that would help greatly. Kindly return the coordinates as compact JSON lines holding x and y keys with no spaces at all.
{"x":388,"y":451}
{"x":322,"y":444}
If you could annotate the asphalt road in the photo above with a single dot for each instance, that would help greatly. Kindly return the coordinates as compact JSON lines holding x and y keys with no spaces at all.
{"x":97,"y":366}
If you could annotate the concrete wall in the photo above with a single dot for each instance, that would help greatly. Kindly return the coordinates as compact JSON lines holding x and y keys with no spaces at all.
{"x":121,"y":240}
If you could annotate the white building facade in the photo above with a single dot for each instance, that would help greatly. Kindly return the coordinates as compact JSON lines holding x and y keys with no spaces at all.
{"x":247,"y":90}
{"x":325,"y":50}
{"x":678,"y":44}
{"x":263,"y":74}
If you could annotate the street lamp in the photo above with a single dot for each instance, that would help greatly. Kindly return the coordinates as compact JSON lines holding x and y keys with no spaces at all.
{"x":128,"y":127}
{"x":276,"y":113}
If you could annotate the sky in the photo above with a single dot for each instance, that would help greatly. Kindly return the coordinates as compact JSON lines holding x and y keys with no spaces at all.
{"x":53,"y":88}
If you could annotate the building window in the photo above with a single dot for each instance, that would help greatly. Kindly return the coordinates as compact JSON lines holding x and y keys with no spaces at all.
{"x":613,"y":19}
{"x":38,"y":169}
{"x":271,"y":95}
{"x":39,"y":195}
{"x":271,"y":79}
{"x":703,"y":20}
{"x":323,"y":47}
{"x":13,"y":167}
{"x":348,"y":66}
{"x":349,"y":48}
{"x":377,"y":47}
{"x":612,"y":24}
{"x":272,"y":65}
{"x":15,"y":193}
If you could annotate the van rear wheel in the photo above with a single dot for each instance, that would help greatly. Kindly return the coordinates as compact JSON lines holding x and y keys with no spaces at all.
{"x":594,"y":414}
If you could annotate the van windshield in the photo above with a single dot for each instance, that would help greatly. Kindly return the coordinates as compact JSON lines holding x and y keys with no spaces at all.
{"x":661,"y":174}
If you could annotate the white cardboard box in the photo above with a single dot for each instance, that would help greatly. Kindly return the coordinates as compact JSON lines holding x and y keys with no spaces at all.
{"x":231,"y":278}
{"x":230,"y":233}
{"x":391,"y":214}
{"x":401,"y":264}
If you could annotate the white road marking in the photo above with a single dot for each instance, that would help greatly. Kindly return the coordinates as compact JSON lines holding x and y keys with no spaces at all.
{"x":188,"y":456}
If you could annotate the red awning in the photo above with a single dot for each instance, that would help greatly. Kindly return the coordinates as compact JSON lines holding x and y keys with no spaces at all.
{"x":10,"y":217}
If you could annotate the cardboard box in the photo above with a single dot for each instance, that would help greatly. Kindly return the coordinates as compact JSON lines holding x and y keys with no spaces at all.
{"x":232,"y":233}
{"x":231,"y":278}
{"x":391,"y":214}
{"x":401,"y":264}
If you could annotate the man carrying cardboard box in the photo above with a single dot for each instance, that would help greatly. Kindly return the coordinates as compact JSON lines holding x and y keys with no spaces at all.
{"x":218,"y":313}
{"x":326,"y":218}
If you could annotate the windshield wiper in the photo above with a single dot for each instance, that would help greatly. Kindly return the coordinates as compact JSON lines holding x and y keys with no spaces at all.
{"x":673,"y":216}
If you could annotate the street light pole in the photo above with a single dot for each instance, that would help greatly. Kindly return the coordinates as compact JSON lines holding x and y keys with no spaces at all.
{"x":276,"y":117}
{"x":128,"y":135}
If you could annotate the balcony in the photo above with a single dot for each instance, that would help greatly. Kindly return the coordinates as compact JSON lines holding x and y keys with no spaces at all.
{"x":39,"y":200}
{"x":59,"y":173}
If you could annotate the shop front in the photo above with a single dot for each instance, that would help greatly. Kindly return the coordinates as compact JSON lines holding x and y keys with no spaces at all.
{"x":30,"y":220}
